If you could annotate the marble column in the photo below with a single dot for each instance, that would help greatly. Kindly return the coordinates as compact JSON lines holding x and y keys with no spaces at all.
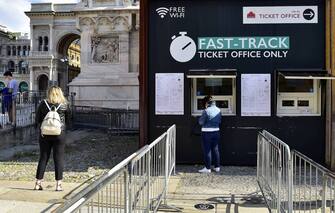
{"x":32,"y":37}
{"x":31,"y":78}
{"x":51,"y":38}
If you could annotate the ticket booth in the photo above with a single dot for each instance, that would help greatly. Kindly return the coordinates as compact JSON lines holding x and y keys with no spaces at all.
{"x":262,"y":61}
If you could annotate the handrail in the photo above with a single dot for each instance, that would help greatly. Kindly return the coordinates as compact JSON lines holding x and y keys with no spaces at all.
{"x":79,"y":199}
{"x":148,"y":147}
{"x":315,"y":164}
{"x":133,"y":184}
{"x":287,"y":147}
{"x":271,"y":142}
{"x":305,"y":182}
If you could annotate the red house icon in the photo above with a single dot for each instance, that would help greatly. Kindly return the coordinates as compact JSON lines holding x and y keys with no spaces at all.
{"x":251,"y":15}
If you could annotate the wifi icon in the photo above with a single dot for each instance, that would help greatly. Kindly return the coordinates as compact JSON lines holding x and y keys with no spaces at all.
{"x":162,"y":11}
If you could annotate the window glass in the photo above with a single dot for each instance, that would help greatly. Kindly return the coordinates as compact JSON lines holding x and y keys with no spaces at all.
{"x":40,"y":43}
{"x":288,"y":103}
{"x":8,"y":50}
{"x":221,"y":89}
{"x":295,"y":85}
{"x":46,"y":44}
{"x":222,"y":104}
{"x":303,"y":103}
{"x":214,"y":86}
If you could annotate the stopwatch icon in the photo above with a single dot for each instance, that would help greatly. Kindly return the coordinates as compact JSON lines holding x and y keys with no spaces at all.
{"x":183,"y":48}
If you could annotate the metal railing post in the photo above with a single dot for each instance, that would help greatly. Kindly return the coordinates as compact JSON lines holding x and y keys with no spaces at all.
{"x":280,"y":169}
{"x":258,"y":156}
{"x":130,"y":187}
{"x":174,"y":149}
{"x":126,"y":191}
{"x":324,"y":187}
{"x":167,"y":158}
{"x":290,"y":185}
{"x":73,"y":94}
{"x":148,"y":179}
{"x":13,"y":113}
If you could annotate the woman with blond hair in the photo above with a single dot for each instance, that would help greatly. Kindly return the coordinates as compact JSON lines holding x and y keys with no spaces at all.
{"x":55,"y":102}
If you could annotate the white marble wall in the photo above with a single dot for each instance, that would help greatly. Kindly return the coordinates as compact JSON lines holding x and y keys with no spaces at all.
{"x":115,"y":83}
{"x":112,"y":83}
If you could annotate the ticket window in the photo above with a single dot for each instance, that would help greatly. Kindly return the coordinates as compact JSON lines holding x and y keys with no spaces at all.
{"x":299,"y":94}
{"x":221,"y":87}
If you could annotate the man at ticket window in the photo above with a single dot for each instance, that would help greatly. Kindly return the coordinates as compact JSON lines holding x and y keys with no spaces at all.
{"x":210,"y":121}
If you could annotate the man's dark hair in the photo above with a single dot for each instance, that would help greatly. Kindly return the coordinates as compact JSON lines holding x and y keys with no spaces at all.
{"x":8,"y":73}
{"x":208,"y":99}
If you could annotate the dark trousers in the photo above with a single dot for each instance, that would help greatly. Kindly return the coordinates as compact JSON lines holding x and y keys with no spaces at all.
{"x":12,"y":111}
{"x":210,"y":147}
{"x":57,"y":144}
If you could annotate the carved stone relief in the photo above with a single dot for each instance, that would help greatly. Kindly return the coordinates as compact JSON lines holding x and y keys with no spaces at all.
{"x":121,"y":23}
{"x":105,"y":49}
{"x":87,"y":21}
{"x":101,"y":24}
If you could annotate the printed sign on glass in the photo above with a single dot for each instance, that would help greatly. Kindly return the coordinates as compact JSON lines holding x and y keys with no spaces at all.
{"x":280,"y":15}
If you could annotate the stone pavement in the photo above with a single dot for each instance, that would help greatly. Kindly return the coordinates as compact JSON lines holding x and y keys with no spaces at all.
{"x":186,"y":189}
{"x":234,"y":190}
{"x":19,"y":196}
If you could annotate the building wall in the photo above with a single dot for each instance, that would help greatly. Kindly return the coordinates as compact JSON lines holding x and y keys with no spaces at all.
{"x":14,"y":55}
{"x":74,"y":55}
{"x":109,"y":67}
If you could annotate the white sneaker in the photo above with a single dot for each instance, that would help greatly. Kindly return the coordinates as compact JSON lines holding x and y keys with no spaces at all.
{"x":204,"y":170}
{"x":217,"y":169}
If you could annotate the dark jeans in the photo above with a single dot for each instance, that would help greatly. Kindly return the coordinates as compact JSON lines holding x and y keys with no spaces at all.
{"x":57,"y":144}
{"x":210,"y":146}
{"x":12,"y":111}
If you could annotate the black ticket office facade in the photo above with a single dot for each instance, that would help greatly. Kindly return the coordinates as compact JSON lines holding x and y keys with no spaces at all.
{"x":262,"y":61}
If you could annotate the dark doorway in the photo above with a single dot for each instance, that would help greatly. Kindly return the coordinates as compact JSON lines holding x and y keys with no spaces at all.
{"x":43,"y":83}
{"x":11,"y":66}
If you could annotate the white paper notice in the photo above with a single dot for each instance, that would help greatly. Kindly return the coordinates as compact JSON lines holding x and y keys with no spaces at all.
{"x":256,"y":95}
{"x":169,"y":94}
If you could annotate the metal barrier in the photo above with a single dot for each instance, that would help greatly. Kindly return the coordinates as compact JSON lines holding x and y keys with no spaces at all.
{"x":269,"y":171}
{"x":308,"y":188}
{"x":147,"y":180}
{"x":109,"y":192}
{"x":328,"y":194}
{"x":19,"y":111}
{"x":137,"y":184}
{"x":290,"y":181}
{"x":171,"y":155}
{"x":286,"y":172}
{"x":114,"y":120}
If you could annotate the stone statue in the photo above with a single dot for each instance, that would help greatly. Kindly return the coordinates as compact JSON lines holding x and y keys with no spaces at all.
{"x":105,"y":50}
{"x":112,"y":50}
{"x":94,"y":44}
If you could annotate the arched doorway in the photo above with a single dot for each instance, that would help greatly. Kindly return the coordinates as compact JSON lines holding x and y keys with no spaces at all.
{"x":43,"y":81}
{"x":68,"y":68}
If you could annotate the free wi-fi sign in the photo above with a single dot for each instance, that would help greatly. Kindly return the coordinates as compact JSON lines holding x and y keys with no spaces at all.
{"x":162,"y":11}
{"x":172,"y":12}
